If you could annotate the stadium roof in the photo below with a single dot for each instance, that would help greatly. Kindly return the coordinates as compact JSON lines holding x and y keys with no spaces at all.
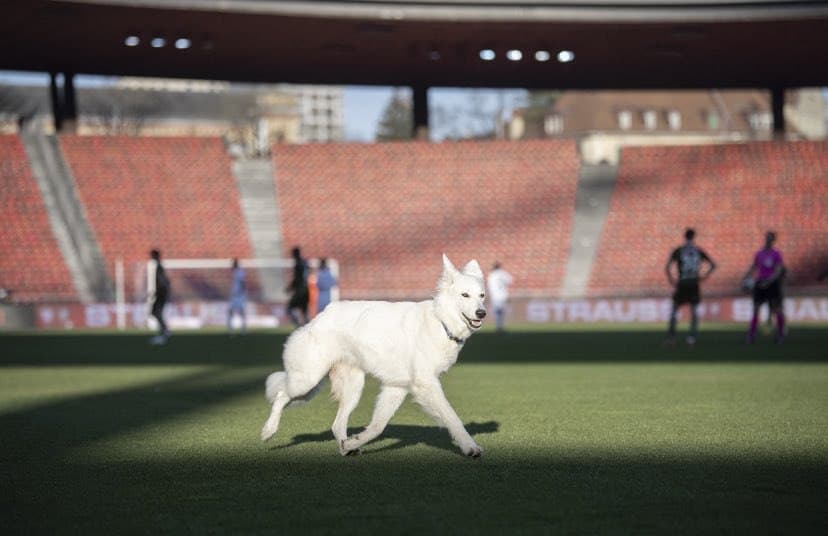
{"x":614,"y":43}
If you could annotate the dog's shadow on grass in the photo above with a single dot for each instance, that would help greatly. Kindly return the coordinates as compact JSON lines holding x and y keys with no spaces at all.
{"x":406,"y":435}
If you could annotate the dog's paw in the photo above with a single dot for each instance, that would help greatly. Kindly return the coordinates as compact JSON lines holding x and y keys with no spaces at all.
{"x":474,"y":451}
{"x":267,"y":432}
{"x":345,"y":451}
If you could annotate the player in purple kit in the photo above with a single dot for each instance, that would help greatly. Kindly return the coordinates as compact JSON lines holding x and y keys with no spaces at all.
{"x":768,"y":268}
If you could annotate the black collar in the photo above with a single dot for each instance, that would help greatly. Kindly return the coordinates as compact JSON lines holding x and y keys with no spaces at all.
{"x":458,"y":340}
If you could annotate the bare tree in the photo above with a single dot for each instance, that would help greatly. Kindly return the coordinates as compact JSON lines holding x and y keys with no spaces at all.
{"x":478,"y":117}
{"x":397,"y":120}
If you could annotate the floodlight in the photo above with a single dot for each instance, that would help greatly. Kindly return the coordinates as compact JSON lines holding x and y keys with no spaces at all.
{"x":566,"y":56}
{"x":514,"y":55}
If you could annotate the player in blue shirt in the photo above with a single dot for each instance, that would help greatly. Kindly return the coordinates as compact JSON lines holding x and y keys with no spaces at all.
{"x":238,"y":297}
{"x":325,"y":281}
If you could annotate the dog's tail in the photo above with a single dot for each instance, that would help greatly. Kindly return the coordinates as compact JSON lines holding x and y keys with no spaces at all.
{"x":305,"y":368}
{"x":304,"y":399}
{"x":277,"y":382}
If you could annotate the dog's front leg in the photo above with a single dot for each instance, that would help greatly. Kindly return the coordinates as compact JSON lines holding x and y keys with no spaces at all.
{"x":431,"y":397}
{"x":388,"y":402}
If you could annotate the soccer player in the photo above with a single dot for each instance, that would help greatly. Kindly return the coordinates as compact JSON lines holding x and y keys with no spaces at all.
{"x":325,"y":281}
{"x":299,"y":289}
{"x":498,"y":283}
{"x":238,"y":297}
{"x":688,"y":259}
{"x":157,"y":293}
{"x":768,"y":268}
{"x":769,"y":323}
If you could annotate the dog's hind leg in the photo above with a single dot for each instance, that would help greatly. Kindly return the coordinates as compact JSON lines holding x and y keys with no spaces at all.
{"x":346,"y":386}
{"x":388,"y":402}
{"x":296,"y":385}
{"x":272,"y":424}
{"x":306,"y":364}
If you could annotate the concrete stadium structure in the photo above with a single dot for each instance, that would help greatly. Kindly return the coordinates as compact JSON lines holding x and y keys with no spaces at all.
{"x":773,"y":44}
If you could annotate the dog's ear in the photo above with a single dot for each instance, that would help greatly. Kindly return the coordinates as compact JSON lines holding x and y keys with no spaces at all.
{"x":448,"y":275}
{"x":448,"y":267}
{"x":472,"y":268}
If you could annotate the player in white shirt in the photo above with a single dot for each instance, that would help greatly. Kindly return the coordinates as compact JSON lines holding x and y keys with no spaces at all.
{"x":498,"y":283}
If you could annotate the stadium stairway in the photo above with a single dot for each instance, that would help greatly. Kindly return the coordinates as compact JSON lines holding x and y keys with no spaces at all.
{"x":257,"y":192}
{"x":71,"y":228}
{"x":592,"y":198}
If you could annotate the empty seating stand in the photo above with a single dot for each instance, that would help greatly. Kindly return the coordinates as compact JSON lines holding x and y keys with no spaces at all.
{"x":731,"y":194}
{"x":31,"y":264}
{"x":177,"y":194}
{"x":388,"y":211}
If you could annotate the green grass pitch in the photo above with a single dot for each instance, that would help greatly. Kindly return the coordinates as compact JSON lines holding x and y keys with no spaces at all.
{"x":586,"y":431}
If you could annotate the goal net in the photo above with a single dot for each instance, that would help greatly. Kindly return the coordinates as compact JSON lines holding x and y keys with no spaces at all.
{"x":200,"y":289}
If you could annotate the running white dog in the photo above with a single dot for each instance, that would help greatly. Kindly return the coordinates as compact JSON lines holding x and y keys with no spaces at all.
{"x":405,"y":345}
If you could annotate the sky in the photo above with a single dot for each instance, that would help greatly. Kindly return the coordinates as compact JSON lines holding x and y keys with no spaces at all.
{"x":363,"y":107}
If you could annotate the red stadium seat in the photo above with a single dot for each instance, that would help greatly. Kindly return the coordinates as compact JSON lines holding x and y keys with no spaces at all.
{"x":388,"y":211}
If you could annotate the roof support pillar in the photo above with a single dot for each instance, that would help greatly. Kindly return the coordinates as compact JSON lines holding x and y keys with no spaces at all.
{"x":420,"y":97}
{"x":70,"y":103}
{"x":778,"y":108}
{"x":64,"y":101}
{"x":56,"y":101}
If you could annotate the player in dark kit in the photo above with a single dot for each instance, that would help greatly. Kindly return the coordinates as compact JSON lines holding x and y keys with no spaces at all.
{"x":688,"y":258}
{"x":158,"y":294}
{"x":298,"y":288}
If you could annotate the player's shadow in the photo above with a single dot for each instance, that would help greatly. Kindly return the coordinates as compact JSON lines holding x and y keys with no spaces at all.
{"x":406,"y":435}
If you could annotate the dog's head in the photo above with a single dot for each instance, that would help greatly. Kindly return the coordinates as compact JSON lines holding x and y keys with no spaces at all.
{"x":462,"y":292}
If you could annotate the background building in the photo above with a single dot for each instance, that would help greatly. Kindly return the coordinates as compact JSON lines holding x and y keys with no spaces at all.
{"x":607,"y":120}
{"x":250,"y":117}
{"x":320,"y":108}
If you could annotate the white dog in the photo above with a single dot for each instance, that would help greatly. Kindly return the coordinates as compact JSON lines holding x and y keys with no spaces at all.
{"x":405,"y":345}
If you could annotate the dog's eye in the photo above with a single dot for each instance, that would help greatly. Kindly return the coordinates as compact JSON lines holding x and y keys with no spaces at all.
{"x":465,"y":294}
{"x":482,"y":296}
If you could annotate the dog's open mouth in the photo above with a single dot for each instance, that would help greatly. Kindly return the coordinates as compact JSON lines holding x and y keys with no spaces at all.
{"x":473,"y":323}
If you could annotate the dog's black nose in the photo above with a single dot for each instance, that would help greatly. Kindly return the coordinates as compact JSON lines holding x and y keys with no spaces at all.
{"x":480,"y":313}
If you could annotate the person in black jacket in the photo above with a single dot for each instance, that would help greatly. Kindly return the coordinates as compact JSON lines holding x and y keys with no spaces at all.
{"x":299,"y":289}
{"x":158,"y":294}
